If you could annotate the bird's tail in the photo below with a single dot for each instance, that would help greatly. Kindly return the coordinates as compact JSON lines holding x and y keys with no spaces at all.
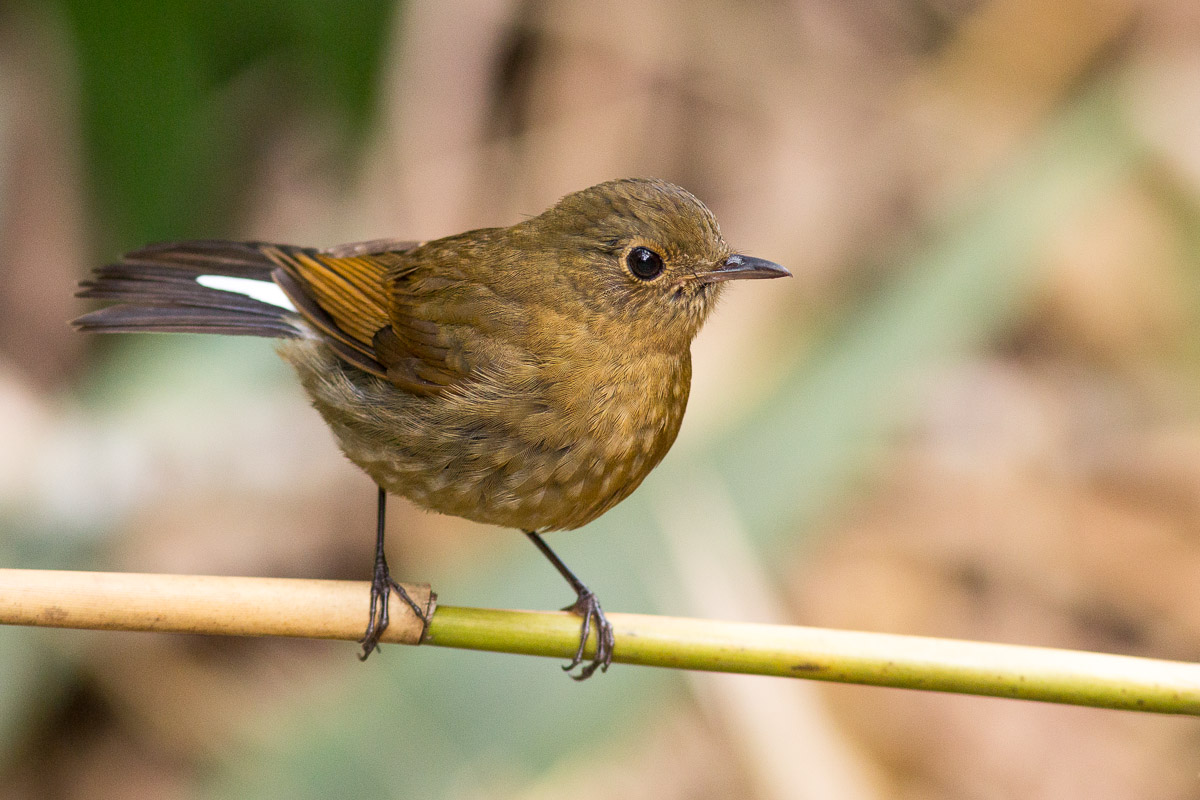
{"x":191,"y":287}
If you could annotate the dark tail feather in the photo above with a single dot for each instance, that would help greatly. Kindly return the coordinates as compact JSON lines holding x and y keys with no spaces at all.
{"x":156,"y":289}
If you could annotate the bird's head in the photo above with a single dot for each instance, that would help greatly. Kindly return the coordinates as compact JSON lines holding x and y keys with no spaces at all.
{"x":643,"y":253}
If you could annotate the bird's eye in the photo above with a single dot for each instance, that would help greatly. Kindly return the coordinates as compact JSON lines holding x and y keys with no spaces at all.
{"x":644,"y":263}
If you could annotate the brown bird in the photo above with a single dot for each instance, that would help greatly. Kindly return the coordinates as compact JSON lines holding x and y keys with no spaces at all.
{"x":528,"y":376}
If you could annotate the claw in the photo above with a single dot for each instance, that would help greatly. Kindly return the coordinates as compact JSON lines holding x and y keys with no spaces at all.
{"x":377,"y":621}
{"x":588,"y":607}
{"x":381,"y":589}
{"x":382,"y":585}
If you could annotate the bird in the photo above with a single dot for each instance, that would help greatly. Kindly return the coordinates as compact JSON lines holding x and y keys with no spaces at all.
{"x":527,"y":376}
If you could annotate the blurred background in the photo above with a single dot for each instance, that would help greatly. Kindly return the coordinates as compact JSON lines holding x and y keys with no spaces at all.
{"x":974,"y":412}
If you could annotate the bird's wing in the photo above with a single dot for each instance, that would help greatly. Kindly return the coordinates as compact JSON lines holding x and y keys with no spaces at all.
{"x":373,"y":247}
{"x":442,"y":322}
{"x":380,"y":312}
{"x":342,"y":296}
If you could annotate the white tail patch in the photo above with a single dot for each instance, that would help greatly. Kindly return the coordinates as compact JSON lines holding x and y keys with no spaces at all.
{"x":263,"y":291}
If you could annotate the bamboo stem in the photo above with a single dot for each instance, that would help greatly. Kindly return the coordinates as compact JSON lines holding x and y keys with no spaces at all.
{"x":209,"y":604}
{"x":337,"y":610}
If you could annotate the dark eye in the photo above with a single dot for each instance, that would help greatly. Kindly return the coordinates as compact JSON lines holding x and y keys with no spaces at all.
{"x":644,"y":263}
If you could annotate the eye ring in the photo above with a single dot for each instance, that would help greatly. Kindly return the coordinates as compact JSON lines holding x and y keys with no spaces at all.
{"x":644,"y":263}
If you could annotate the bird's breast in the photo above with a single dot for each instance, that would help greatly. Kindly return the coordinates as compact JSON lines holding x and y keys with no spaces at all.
{"x":621,"y":423}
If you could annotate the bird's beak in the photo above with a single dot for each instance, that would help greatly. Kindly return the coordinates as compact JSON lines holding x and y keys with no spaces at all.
{"x":743,"y":268}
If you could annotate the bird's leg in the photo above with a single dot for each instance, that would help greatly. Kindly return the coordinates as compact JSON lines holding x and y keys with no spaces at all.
{"x":381,"y":587}
{"x":587,"y":606}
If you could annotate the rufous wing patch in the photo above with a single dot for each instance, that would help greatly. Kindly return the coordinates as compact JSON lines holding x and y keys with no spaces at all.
{"x":351,"y":294}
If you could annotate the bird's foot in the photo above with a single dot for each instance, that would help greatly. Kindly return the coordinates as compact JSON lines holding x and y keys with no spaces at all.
{"x":588,"y":607}
{"x":382,"y":585}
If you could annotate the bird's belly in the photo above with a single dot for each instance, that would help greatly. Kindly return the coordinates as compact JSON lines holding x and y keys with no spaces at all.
{"x":516,"y":459}
{"x":511,"y":481}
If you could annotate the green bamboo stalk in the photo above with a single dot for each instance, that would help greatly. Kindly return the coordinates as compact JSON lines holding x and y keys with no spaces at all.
{"x":875,"y":659}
